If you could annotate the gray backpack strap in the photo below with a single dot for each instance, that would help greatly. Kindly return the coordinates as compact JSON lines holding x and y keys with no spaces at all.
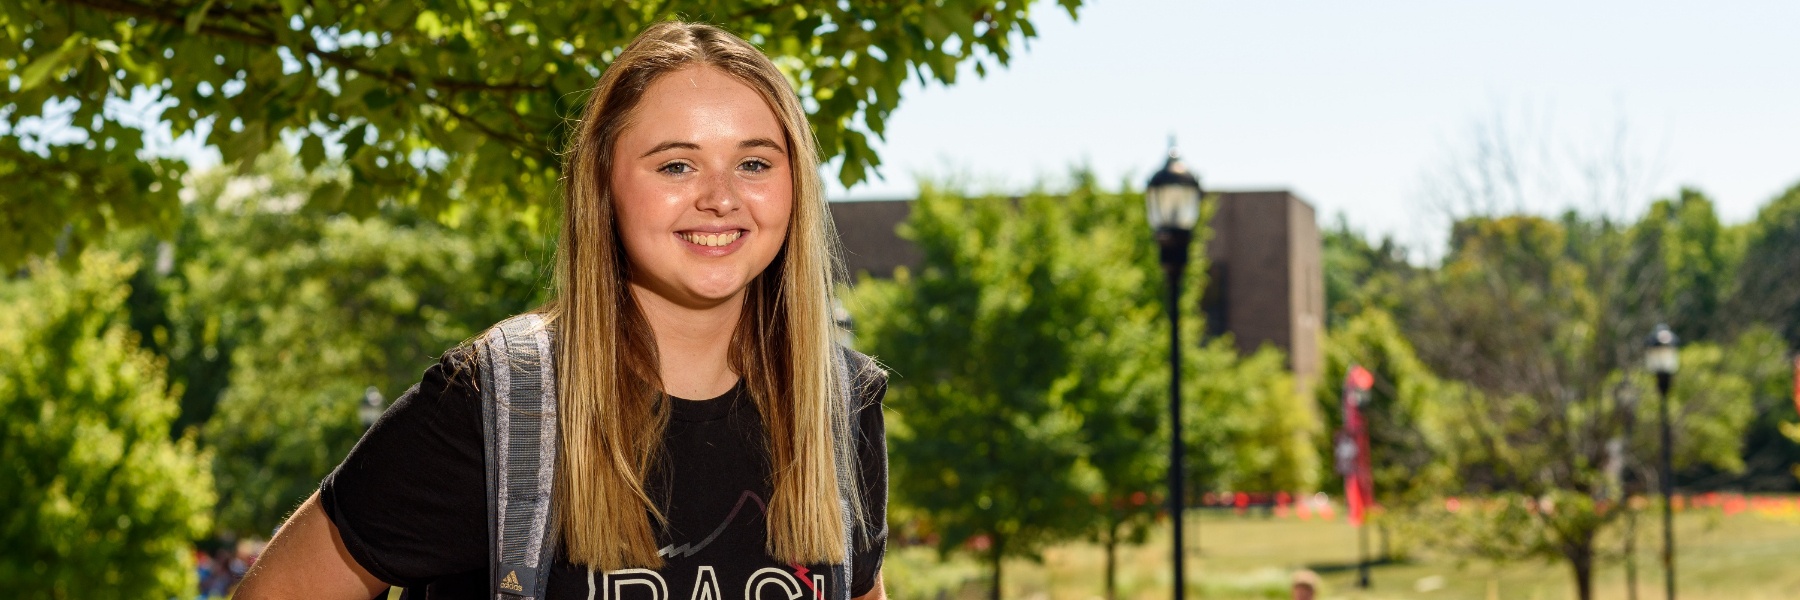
{"x":845,"y":439}
{"x":518,"y":411}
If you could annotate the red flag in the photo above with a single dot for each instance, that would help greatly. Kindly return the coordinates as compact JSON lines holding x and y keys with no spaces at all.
{"x":1353,"y":445}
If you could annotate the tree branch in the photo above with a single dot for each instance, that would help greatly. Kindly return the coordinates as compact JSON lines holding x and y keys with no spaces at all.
{"x":397,"y":77}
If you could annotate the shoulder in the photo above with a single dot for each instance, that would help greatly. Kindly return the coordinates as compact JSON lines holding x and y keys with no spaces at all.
{"x":506,"y":345}
{"x":455,"y":378}
{"x":409,"y":497}
{"x":867,"y":377}
{"x":532,"y":330}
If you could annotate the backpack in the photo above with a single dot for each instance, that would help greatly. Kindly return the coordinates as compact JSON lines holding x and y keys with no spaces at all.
{"x":520,"y":434}
{"x":518,"y":415}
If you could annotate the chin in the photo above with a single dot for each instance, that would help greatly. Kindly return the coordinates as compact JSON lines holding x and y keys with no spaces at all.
{"x":717,"y":290}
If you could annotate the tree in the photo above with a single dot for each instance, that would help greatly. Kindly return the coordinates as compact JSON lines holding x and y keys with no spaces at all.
{"x":100,"y":502}
{"x":1248,"y":425}
{"x":1360,"y":275}
{"x":1412,"y":456}
{"x":1539,"y":323}
{"x":986,"y":432}
{"x":1767,"y":291}
{"x":1683,"y":263}
{"x":429,"y":103}
{"x":1766,"y":295}
{"x":1113,"y":383}
{"x":300,"y":314}
{"x":1030,"y":389}
{"x":1519,"y":518}
{"x":1524,"y":313}
{"x":1245,"y":426}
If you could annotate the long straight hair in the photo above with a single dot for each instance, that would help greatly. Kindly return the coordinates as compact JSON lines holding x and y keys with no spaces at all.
{"x":614,"y":412}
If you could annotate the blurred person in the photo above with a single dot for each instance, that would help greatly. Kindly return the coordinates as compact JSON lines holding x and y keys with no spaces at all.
{"x":203,"y":571}
{"x":712,"y":435}
{"x":222,"y":577}
{"x":1306,"y":584}
{"x":239,"y":564}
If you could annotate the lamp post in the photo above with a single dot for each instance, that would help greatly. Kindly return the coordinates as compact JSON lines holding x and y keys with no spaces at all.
{"x":1173,"y":202}
{"x":1662,"y":358}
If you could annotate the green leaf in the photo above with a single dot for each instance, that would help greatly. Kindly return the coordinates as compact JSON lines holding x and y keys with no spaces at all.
{"x":312,"y":152}
{"x":327,"y":198}
{"x":196,"y":17}
{"x":354,"y":140}
{"x":377,"y":98}
{"x":242,"y":147}
{"x":72,"y":50}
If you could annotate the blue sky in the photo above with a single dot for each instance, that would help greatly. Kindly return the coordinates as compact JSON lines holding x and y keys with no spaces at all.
{"x":1352,"y":104}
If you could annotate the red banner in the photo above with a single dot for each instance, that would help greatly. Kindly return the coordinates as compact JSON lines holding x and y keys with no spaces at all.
{"x":1353,"y":445}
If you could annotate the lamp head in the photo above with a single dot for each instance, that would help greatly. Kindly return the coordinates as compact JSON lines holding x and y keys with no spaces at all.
{"x":1173,"y":195}
{"x":1661,"y":354}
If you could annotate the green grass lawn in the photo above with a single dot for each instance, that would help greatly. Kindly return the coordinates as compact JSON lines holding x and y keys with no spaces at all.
{"x":1746,"y":556}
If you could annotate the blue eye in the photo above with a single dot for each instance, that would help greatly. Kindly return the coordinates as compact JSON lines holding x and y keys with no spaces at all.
{"x":756,"y":165}
{"x":676,"y":168}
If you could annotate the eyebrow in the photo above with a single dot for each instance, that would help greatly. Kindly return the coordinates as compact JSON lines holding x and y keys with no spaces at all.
{"x":762,"y":143}
{"x":750,"y":143}
{"x":671,"y":146}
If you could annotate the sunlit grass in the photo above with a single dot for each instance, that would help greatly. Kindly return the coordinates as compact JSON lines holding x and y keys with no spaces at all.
{"x":1746,"y":556}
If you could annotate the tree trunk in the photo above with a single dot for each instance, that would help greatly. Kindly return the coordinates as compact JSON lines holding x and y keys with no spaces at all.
{"x":1581,"y":560}
{"x":1630,"y":550}
{"x":1112,"y":546}
{"x":998,"y":551}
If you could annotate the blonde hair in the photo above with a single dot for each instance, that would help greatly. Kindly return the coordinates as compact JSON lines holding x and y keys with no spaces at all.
{"x":614,"y":412}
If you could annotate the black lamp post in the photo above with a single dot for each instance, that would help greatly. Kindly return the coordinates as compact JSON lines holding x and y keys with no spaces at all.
{"x":1173,"y":200}
{"x":1662,"y":358}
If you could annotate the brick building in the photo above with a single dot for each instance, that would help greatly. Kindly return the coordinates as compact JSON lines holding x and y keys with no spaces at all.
{"x":1266,"y":282}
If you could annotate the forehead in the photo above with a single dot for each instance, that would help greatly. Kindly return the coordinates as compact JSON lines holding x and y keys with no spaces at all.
{"x":701,"y":102}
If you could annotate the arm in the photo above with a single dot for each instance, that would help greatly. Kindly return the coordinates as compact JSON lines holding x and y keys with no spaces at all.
{"x":307,"y":559}
{"x":871,"y":387}
{"x":879,"y":592}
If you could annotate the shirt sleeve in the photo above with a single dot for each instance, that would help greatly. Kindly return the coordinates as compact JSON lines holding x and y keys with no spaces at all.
{"x":410,"y":499}
{"x":873,"y":466}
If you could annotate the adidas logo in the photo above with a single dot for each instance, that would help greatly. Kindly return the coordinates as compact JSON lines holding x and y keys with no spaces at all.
{"x":511,"y":582}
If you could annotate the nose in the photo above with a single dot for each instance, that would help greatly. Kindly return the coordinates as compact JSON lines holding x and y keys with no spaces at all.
{"x":718,"y":194}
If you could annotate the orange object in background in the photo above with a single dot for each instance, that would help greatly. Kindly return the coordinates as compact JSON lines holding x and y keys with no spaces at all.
{"x":1352,"y":446}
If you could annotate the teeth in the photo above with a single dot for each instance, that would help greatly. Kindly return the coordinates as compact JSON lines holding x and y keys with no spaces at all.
{"x":712,"y":239}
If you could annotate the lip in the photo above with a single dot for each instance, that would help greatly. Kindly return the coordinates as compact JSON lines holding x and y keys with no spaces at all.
{"x":712,"y":251}
{"x":711,"y":229}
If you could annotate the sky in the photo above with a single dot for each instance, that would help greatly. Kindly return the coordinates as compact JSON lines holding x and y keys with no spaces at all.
{"x":1353,"y":105}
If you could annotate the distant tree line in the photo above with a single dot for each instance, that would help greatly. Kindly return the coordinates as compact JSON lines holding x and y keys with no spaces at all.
{"x":1511,"y":368}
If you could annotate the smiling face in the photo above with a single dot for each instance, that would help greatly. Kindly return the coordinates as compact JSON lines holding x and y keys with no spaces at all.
{"x":703,"y":188}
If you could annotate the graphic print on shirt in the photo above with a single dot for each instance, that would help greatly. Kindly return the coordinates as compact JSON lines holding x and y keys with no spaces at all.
{"x":644,"y":584}
{"x":674,"y":551}
{"x":649,"y":585}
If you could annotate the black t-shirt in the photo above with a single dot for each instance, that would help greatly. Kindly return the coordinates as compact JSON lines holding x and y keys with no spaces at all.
{"x":411,"y":504}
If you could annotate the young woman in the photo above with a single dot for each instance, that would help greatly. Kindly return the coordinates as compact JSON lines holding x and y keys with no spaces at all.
{"x":699,"y":384}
